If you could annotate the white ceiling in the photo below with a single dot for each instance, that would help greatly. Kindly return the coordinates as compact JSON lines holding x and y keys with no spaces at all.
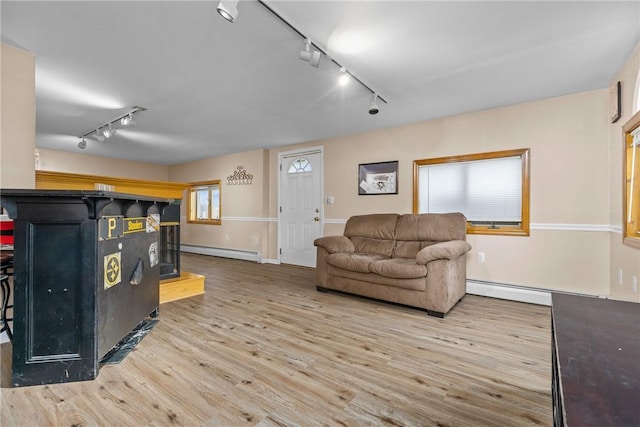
{"x":213,"y":88}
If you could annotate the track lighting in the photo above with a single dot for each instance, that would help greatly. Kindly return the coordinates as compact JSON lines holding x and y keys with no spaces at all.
{"x":228,"y":9}
{"x":102,"y":132}
{"x":373,"y":108}
{"x":312,"y":57}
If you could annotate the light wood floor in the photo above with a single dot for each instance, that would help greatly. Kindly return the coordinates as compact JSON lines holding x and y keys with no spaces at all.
{"x":263,"y":348}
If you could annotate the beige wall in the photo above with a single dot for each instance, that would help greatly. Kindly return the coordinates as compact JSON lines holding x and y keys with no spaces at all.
{"x":568,"y":136}
{"x":623,"y":257}
{"x":17,"y":118}
{"x":245,"y":222}
{"x":65,"y":161}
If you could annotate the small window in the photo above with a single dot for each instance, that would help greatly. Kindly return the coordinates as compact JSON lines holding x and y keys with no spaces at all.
{"x":631,"y":184}
{"x":490,"y":189}
{"x":299,"y":166}
{"x":205,"y":202}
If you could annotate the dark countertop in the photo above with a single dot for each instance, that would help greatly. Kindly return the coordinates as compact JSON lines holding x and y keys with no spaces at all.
{"x":598,"y":355}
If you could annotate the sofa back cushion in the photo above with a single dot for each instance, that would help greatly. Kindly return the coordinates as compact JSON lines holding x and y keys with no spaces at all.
{"x":372,"y":234}
{"x":415,"y":231}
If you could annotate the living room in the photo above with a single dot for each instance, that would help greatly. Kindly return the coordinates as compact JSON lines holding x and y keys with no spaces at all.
{"x":575,"y":244}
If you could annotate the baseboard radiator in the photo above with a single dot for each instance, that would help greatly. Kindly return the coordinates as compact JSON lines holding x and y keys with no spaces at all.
{"x":222,"y":252}
{"x":509,"y":292}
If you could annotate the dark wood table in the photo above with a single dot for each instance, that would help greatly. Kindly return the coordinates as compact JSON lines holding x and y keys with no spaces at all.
{"x":596,"y":362}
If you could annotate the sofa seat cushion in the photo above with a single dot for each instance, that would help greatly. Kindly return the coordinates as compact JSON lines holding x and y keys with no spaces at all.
{"x":398,"y":268}
{"x":336,"y":276}
{"x":353,"y":262}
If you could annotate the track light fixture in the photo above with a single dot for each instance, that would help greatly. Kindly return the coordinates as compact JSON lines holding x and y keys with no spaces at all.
{"x":228,"y":9}
{"x":373,"y":108}
{"x":108,"y":132}
{"x":99,"y":136}
{"x":312,"y":57}
{"x":345,"y":75}
{"x":102,"y":132}
{"x":127,"y":120}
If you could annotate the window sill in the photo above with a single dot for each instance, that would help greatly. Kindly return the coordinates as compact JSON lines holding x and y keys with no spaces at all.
{"x":208,"y":222}
{"x":500,"y":231}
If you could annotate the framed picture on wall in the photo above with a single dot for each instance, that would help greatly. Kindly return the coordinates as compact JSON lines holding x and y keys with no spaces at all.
{"x":378,"y":178}
{"x":614,"y":102}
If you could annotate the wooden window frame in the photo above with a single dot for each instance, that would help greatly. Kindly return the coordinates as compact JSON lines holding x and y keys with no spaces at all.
{"x":191,"y":206}
{"x":630,"y":229}
{"x":508,"y":230}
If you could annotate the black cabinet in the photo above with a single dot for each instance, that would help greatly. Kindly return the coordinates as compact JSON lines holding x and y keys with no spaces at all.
{"x":86,"y":273}
{"x":596,"y":361}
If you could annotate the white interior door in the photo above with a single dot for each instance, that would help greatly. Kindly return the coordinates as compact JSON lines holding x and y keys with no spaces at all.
{"x":301,"y":206}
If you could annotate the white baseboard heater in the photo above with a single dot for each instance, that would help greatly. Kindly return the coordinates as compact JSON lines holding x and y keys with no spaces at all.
{"x":509,"y":292}
{"x":222,"y":252}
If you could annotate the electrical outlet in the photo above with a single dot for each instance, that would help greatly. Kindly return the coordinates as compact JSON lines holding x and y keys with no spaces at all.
{"x":481,"y":257}
{"x":619,"y":276}
{"x":634,"y":283}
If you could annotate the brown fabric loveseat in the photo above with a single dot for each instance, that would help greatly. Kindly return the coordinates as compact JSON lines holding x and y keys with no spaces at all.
{"x":412,"y":259}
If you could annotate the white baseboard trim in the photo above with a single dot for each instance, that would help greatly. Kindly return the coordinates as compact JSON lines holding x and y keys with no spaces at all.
{"x":222,"y":252}
{"x":270,"y":261}
{"x":509,"y":292}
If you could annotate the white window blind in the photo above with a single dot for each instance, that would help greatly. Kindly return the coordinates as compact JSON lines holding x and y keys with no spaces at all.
{"x":487,"y":190}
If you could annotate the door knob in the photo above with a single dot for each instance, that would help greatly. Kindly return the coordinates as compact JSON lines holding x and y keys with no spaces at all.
{"x":316,"y":218}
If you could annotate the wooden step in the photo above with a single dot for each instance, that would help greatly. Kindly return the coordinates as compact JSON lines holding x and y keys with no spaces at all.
{"x":187,"y":285}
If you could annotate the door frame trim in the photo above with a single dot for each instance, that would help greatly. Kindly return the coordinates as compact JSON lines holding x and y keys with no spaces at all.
{"x":295,"y":153}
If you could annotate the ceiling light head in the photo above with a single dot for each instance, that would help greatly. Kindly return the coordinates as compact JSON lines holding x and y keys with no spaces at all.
{"x":228,"y":9}
{"x":82,"y":144}
{"x":373,"y":108}
{"x":109,"y":132}
{"x":99,"y":136}
{"x":344,"y":77}
{"x":312,"y":57}
{"x":127,"y":120}
{"x":314,"y":61}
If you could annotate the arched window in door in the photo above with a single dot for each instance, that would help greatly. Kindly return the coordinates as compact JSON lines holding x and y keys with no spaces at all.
{"x":299,"y":165}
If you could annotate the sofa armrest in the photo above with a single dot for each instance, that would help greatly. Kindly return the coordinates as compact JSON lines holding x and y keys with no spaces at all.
{"x":334,"y":244}
{"x":443,"y":250}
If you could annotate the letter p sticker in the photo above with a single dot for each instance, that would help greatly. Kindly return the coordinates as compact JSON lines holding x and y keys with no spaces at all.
{"x":110,"y":227}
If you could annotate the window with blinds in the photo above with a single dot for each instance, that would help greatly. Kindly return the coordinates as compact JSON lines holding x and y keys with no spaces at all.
{"x":490,"y":189}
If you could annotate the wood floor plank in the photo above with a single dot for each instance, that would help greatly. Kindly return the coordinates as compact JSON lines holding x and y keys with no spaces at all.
{"x":263,"y":348}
